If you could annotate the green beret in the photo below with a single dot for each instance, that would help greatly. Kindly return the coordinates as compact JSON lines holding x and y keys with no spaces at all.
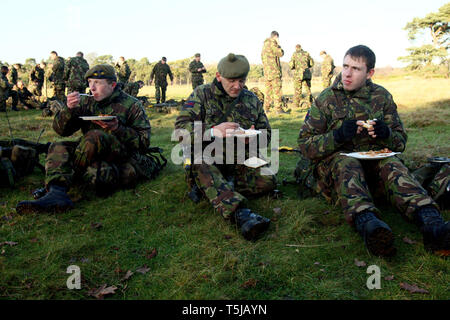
{"x":101,"y":71}
{"x":233,"y":66}
{"x":197,"y":55}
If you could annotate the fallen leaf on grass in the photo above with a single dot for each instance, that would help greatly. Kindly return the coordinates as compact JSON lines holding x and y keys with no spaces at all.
{"x":317,"y":263}
{"x":8,"y":243}
{"x":277,"y":210}
{"x":151,"y":255}
{"x":389,"y":278}
{"x":251,"y":283}
{"x":99,"y":293}
{"x":442,"y":253}
{"x":127,"y":275}
{"x":412,"y":288}
{"x":143,"y":269}
{"x":360,"y":263}
{"x":408,"y":240}
{"x":96,"y":225}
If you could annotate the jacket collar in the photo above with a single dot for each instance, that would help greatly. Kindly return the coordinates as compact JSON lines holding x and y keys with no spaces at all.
{"x":363,"y":92}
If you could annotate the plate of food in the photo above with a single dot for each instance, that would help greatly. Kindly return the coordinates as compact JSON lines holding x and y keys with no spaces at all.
{"x":101,"y":117}
{"x":255,"y":162}
{"x":372,"y":154}
{"x":246,"y":133}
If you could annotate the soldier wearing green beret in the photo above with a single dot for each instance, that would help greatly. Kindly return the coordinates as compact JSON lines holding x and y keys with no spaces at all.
{"x":159,"y":73}
{"x":123,"y":70}
{"x":223,"y":106}
{"x":108,"y":155}
{"x":197,"y":69}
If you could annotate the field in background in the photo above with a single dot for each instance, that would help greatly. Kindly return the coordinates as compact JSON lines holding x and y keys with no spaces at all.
{"x":178,"y":250}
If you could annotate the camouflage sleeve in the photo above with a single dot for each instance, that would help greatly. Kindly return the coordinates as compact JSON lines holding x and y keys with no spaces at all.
{"x":66,"y":121}
{"x":192,"y":68}
{"x":315,"y":140}
{"x":170,"y":74}
{"x":152,"y":75}
{"x":311,"y":62}
{"x":135,"y":134}
{"x":67,"y":70}
{"x":190,"y":112}
{"x":292,"y":63}
{"x":397,"y":140}
{"x":278,"y":51}
{"x":127,"y":71}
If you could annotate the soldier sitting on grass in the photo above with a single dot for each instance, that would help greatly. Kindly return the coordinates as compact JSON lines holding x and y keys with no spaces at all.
{"x":108,"y":155}
{"x":334,"y":125}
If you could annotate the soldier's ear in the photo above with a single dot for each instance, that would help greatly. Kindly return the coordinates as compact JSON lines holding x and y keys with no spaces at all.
{"x":218,"y":77}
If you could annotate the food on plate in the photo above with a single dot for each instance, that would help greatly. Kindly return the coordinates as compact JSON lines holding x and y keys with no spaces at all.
{"x":367,"y":125}
{"x":373,"y":153}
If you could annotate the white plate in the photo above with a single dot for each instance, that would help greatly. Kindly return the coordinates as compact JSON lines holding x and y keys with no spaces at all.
{"x":248,"y":133}
{"x":360,"y":155}
{"x":98,"y":117}
{"x":255,"y":162}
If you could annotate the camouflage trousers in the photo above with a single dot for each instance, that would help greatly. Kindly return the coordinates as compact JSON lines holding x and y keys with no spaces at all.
{"x":60,"y":91}
{"x":326,"y":80}
{"x":15,"y":100}
{"x":98,"y":159}
{"x":226,"y":186}
{"x":273,"y":94}
{"x":160,"y":92}
{"x":36,"y":89}
{"x":350,"y":183}
{"x":197,"y":82}
{"x":298,"y":86}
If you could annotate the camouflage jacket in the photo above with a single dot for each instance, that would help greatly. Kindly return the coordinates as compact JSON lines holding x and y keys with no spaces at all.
{"x":24,"y":93}
{"x":57,"y":72}
{"x":160,"y":72}
{"x":74,"y":72}
{"x":134,"y":127}
{"x":193,"y":67}
{"x":123,"y":72}
{"x":13,"y":75}
{"x":208,"y":103}
{"x":5,"y":86}
{"x":270,"y":56}
{"x":327,"y":65}
{"x":300,"y":62}
{"x":334,"y":105}
{"x":37,"y":75}
{"x":132,"y":88}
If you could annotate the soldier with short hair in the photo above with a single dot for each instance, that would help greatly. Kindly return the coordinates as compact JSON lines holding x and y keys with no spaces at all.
{"x":335,"y":124}
{"x":76,"y":68}
{"x":327,"y":69}
{"x":270,"y":56}
{"x":110,"y":153}
{"x":223,"y":106}
{"x":37,"y":78}
{"x":57,"y":76}
{"x":123,"y":70}
{"x":301,"y":62}
{"x":159,"y":73}
{"x":6,"y":91}
{"x":197,"y":69}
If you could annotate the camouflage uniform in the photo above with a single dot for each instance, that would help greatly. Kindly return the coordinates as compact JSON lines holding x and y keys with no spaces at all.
{"x":270,"y":56}
{"x":132,"y":88}
{"x":37,"y":78}
{"x":28,"y":99}
{"x":13,"y":76}
{"x":100,"y":158}
{"x":258,"y":93}
{"x":350,"y":182}
{"x":159,"y":73}
{"x":74,"y":72}
{"x":301,"y":62}
{"x":123,"y":72}
{"x":57,"y":77}
{"x":196,"y":76}
{"x":208,"y":104}
{"x":327,"y":70}
{"x":6,"y":92}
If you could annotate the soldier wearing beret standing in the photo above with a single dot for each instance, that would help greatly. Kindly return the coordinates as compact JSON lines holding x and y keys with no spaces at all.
{"x":109,"y":152}
{"x":197,"y":69}
{"x":222,"y":107}
{"x":159,"y":73}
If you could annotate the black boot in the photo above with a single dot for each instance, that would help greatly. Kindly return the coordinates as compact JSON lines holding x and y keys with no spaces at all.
{"x":377,"y":235}
{"x":251,"y":224}
{"x":435,"y":231}
{"x":56,"y":200}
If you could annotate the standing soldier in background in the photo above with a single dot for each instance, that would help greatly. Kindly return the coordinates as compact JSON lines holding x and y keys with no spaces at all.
{"x":74,"y":73}
{"x":37,"y":78}
{"x":13,"y":75}
{"x":57,"y":76}
{"x":197,"y":69}
{"x":270,"y":56}
{"x":160,"y":72}
{"x":301,"y":62}
{"x":123,"y":70}
{"x":6,"y":91}
{"x":327,"y":69}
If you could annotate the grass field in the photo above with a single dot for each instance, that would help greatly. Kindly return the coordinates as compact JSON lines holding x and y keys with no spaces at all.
{"x":178,"y":250}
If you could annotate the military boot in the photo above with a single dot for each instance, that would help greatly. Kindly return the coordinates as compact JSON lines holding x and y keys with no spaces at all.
{"x":435,"y":231}
{"x":377,"y":235}
{"x":56,"y":200}
{"x":252,"y":225}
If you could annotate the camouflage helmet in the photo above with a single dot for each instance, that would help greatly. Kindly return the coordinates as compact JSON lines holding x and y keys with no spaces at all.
{"x":233,"y":66}
{"x":101,"y":71}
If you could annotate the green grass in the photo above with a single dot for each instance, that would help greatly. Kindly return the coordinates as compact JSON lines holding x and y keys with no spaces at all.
{"x":201,"y":256}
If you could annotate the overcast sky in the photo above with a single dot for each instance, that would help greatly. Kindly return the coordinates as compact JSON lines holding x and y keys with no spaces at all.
{"x":178,"y":29}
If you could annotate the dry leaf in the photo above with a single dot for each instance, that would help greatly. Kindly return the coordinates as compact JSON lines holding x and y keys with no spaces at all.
{"x":360,"y":263}
{"x":317,"y":263}
{"x":408,"y":241}
{"x":389,"y":278}
{"x":127,"y":275}
{"x":412,"y":288}
{"x":143,"y":269}
{"x":251,"y":283}
{"x":277,"y":210}
{"x":152,"y":254}
{"x":96,"y":225}
{"x":102,"y":291}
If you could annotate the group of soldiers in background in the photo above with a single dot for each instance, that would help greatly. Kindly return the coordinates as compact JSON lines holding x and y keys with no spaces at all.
{"x":301,"y":62}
